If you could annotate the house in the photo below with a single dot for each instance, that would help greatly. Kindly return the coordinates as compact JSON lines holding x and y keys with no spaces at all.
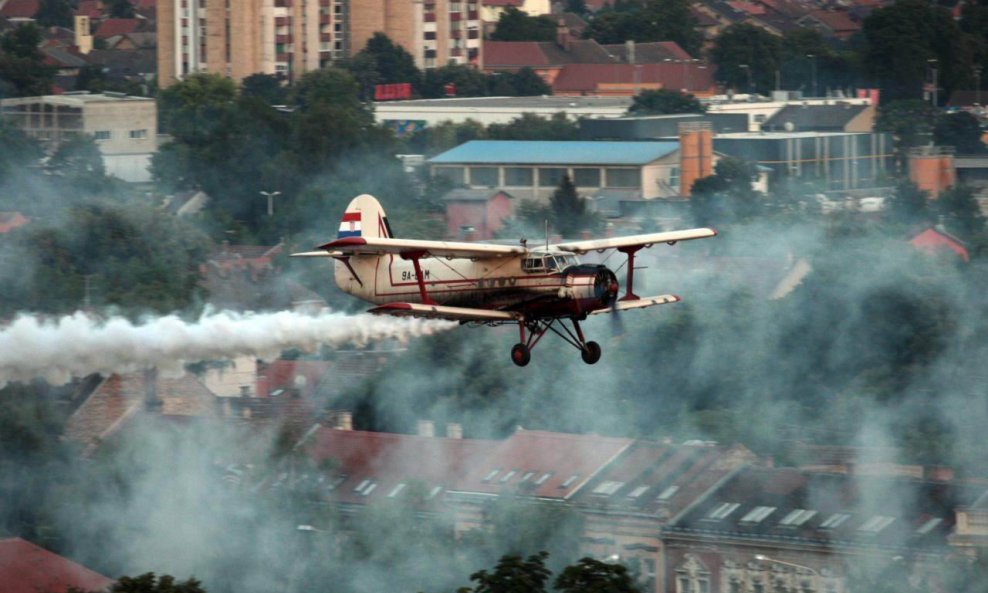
{"x":112,"y":27}
{"x":19,"y":11}
{"x":787,"y":529}
{"x":936,"y":240}
{"x":476,"y":214}
{"x":534,"y":169}
{"x":831,"y":23}
{"x":27,"y":568}
{"x":11,"y":220}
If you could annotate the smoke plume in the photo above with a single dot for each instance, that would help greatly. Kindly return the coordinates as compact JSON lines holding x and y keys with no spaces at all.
{"x":57,"y":350}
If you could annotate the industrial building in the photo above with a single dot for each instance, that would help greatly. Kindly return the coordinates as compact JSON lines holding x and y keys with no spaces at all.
{"x":124,"y":127}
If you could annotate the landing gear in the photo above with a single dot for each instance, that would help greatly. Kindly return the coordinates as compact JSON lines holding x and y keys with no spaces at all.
{"x":590,"y":352}
{"x":521,"y":353}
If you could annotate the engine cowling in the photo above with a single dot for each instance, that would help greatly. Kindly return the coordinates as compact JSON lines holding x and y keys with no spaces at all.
{"x":594,"y":286}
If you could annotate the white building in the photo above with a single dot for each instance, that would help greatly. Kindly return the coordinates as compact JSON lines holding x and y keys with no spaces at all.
{"x":124,"y":127}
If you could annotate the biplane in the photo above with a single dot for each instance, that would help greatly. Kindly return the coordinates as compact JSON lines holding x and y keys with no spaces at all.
{"x":540,"y":289}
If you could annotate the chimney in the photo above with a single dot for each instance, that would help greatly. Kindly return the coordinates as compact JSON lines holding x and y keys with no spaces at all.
{"x":151,"y":400}
{"x":454,"y":430}
{"x":562,"y":35}
{"x":696,"y":154}
{"x":630,"y":48}
{"x":341,"y":419}
{"x":426,"y":428}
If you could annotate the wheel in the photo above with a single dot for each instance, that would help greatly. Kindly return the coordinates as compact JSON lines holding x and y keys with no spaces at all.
{"x":520,"y":354}
{"x":590,"y":352}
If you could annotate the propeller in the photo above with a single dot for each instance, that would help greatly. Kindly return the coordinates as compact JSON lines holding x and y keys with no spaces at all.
{"x":606,"y":288}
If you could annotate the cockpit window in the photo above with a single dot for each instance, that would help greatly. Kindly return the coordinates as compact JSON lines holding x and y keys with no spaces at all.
{"x":546,"y":262}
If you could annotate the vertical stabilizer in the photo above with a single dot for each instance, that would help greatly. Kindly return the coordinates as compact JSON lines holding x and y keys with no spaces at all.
{"x":364,"y":217}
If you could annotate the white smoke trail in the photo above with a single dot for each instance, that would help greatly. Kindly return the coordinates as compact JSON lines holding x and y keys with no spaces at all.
{"x":78,"y":345}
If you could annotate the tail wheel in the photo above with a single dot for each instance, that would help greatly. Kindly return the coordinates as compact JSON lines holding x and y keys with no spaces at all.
{"x":521,"y":355}
{"x":590,"y":352}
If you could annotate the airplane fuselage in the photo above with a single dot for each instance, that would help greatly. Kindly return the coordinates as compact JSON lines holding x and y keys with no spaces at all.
{"x":553,"y":283}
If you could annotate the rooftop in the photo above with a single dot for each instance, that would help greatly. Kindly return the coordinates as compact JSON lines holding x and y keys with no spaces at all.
{"x":513,"y":103}
{"x":77,"y":99}
{"x":27,"y":568}
{"x":555,"y":152}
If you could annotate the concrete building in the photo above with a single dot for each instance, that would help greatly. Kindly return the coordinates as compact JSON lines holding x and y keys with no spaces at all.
{"x":124,"y":127}
{"x":244,"y":37}
{"x":533,"y":169}
{"x":494,"y":110}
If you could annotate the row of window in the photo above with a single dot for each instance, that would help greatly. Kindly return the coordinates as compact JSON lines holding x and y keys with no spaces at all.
{"x":798,"y":517}
{"x":543,"y":176}
{"x":132,"y":134}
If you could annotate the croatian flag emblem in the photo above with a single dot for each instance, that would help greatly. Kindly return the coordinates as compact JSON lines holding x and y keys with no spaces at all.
{"x":350,"y":225}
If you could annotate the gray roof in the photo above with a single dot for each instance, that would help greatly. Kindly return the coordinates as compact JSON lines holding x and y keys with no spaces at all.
{"x":473,"y":195}
{"x":822,"y":118}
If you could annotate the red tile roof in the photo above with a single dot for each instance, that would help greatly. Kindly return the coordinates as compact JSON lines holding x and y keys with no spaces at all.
{"x":303,"y":375}
{"x":88,"y":8}
{"x":11,"y":220}
{"x":548,"y":464}
{"x":747,"y":7}
{"x":513,"y":54}
{"x":111,"y":27}
{"x":933,"y":241}
{"x":838,"y":21}
{"x":380,"y":462}
{"x":27,"y":568}
{"x":587,"y":78}
{"x":20,"y":9}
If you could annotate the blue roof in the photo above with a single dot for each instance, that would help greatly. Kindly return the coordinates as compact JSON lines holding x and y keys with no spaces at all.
{"x":562,"y":152}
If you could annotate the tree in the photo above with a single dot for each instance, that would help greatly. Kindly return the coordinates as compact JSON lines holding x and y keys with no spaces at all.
{"x":663,"y":101}
{"x":908,"y":205}
{"x":54,"y":13}
{"x":534,"y":127}
{"x":149,"y":583}
{"x":17,"y":150}
{"x":22,"y":69}
{"x":79,"y":162}
{"x":593,"y":576}
{"x":514,"y":575}
{"x":328,"y":86}
{"x":747,"y":58}
{"x":525,"y":83}
{"x":961,"y":212}
{"x":910,"y":122}
{"x":902,"y":40}
{"x":382,"y":62}
{"x":192,"y":108}
{"x":517,"y":25}
{"x":264,"y":86}
{"x":962,"y":130}
{"x":727,"y":195}
{"x":121,"y":9}
{"x":651,"y":20}
{"x":568,"y":211}
{"x":467,"y":81}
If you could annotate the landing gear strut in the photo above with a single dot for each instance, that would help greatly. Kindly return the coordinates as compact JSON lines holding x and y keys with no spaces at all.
{"x":521,"y":353}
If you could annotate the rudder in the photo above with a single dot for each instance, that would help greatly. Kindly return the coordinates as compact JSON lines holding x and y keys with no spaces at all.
{"x":364,"y":217}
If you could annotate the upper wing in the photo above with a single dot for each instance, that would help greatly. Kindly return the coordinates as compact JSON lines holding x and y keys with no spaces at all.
{"x":646,"y":240}
{"x":442,"y":312}
{"x":378,"y":245}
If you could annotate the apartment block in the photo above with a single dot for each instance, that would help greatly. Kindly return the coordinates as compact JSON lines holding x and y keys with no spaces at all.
{"x":238,"y":38}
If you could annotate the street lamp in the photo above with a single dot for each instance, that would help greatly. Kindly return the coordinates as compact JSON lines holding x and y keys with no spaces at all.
{"x":812,"y":58}
{"x":977,"y":86}
{"x":270,"y":195}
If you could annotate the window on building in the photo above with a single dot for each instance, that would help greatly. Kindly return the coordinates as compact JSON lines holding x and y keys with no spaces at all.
{"x":674,"y":176}
{"x":637,"y":491}
{"x":518,"y":177}
{"x":876,"y":524}
{"x":435,"y":491}
{"x":623,"y":177}
{"x":797,"y":517}
{"x":491,"y":474}
{"x":101,"y":134}
{"x":138,"y":134}
{"x":692,"y":576}
{"x":507,"y":476}
{"x":455,"y":175}
{"x":483,"y":176}
{"x":834,"y":521}
{"x":551,"y":176}
{"x":722,"y":510}
{"x":928,"y":526}
{"x":757,"y":514}
{"x":396,"y":490}
{"x":543,"y":478}
{"x":667,"y":493}
{"x":430,"y":35}
{"x":569,"y":481}
{"x":607,"y":488}
{"x":586,"y":177}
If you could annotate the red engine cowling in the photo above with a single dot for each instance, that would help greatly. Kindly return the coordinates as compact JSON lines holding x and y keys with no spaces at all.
{"x":593,"y":286}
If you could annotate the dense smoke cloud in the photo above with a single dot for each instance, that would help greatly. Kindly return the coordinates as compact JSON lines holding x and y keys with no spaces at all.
{"x":57,"y":350}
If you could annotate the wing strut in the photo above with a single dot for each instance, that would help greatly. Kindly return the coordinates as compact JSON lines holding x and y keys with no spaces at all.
{"x":629,"y":294}
{"x":415,"y":256}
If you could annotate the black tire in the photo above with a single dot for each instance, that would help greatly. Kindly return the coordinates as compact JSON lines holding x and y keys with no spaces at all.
{"x":590,"y":352}
{"x":520,"y":354}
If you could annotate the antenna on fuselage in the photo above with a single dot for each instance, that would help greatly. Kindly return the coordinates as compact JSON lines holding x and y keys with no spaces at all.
{"x":547,"y":235}
{"x":524,"y":243}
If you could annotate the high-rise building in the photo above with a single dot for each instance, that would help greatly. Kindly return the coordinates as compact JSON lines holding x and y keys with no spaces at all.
{"x":237,"y":38}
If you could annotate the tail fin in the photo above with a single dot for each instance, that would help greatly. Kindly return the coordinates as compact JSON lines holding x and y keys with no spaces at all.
{"x":364,"y":217}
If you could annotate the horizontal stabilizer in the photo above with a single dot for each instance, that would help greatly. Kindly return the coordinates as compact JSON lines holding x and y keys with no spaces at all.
{"x":441,"y":312}
{"x":640,"y":303}
{"x":320,"y":253}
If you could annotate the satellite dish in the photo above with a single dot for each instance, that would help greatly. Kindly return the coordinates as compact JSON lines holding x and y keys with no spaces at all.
{"x":789,"y":126}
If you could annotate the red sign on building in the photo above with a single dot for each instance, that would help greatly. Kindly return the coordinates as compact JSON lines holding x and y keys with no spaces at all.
{"x":393,"y":92}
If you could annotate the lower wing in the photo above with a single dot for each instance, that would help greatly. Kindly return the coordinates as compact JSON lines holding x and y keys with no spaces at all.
{"x":639,"y":303}
{"x":442,"y":312}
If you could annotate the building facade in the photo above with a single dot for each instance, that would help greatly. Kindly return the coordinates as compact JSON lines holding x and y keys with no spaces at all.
{"x":124,"y":127}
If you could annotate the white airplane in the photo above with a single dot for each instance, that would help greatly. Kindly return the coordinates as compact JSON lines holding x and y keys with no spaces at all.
{"x":536,"y":288}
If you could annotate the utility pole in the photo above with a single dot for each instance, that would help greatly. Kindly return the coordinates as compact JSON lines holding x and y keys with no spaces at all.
{"x":977,"y":86}
{"x":933,"y":66}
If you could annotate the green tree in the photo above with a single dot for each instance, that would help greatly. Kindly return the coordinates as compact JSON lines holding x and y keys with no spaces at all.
{"x":662,"y":101}
{"x":120,"y":9}
{"x":568,"y":211}
{"x":960,"y":211}
{"x":962,"y":130}
{"x":22,"y":69}
{"x":745,"y":54}
{"x":534,"y":127}
{"x":264,"y":86}
{"x":517,"y":25}
{"x":17,"y":150}
{"x":149,"y":583}
{"x":651,"y":20}
{"x":727,"y":195}
{"x":902,"y":39}
{"x":908,"y":206}
{"x":910,"y":122}
{"x":514,"y":575}
{"x":593,"y":576}
{"x":382,"y":62}
{"x":467,"y":81}
{"x":54,"y":13}
{"x":525,"y":83}
{"x":79,"y":162}
{"x":192,"y":108}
